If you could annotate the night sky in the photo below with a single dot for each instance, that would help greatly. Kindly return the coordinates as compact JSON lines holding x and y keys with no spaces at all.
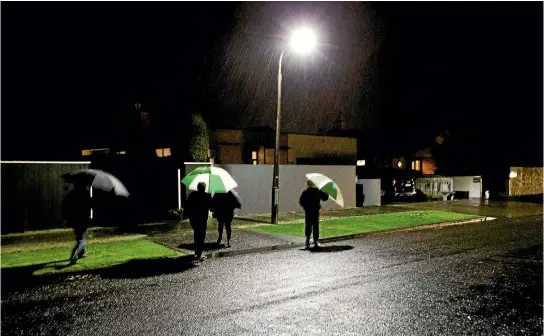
{"x":71,"y":72}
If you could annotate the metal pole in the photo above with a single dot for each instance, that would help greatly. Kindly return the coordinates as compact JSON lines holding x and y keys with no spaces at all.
{"x":276,"y":181}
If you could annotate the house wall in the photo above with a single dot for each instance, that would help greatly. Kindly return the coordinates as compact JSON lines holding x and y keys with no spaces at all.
{"x":467,"y":184}
{"x":228,"y":145}
{"x":229,"y":153}
{"x":371,"y":191}
{"x":314,"y":146}
{"x":226,"y":136}
{"x":255,"y":185}
{"x":528,"y":181}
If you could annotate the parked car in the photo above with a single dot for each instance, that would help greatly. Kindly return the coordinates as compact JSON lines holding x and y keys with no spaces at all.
{"x":397,"y":183}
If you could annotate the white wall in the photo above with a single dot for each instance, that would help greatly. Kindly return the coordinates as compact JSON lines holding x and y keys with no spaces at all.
{"x":465,"y":183}
{"x":255,"y":185}
{"x":372,"y":191}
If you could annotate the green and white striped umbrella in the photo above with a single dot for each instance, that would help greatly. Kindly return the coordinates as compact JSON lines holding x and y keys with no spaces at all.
{"x":217,"y":179}
{"x":328,"y":186}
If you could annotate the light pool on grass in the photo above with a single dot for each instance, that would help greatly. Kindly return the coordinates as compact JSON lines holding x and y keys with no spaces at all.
{"x":55,"y":260}
{"x":365,"y":224}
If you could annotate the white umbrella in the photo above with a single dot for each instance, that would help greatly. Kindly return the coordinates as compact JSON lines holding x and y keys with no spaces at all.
{"x":327,"y":185}
{"x":217,"y":179}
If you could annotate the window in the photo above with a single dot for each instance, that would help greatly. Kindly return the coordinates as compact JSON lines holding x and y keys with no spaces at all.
{"x":416,"y":165}
{"x":163,"y":152}
{"x":254,"y":155}
{"x":89,"y":152}
{"x":361,"y":162}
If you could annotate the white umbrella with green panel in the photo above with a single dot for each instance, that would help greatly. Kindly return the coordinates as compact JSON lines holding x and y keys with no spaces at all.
{"x":217,"y":179}
{"x":327,"y":185}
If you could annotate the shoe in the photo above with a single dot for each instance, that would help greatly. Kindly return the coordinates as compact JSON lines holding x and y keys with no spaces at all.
{"x":228,"y":244}
{"x":307,"y":244}
{"x":218,"y":241}
{"x":81,"y":256}
{"x":73,"y":261}
{"x":202,"y":258}
{"x":317,"y":245}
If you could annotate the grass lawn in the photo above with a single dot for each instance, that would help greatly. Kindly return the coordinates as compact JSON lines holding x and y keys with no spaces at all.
{"x":105,"y":254}
{"x":363,"y":224}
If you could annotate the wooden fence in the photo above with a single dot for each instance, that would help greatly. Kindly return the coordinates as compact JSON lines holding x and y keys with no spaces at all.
{"x":32,"y":194}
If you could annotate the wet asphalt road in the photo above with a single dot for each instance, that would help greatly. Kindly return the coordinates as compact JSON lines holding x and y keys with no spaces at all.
{"x":479,"y":279}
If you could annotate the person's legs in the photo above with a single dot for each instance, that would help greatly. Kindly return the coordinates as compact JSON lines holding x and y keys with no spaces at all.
{"x":316,"y":229}
{"x":203,"y":236}
{"x":81,"y":240}
{"x":228,"y":226}
{"x":220,"y":224}
{"x":83,"y":252}
{"x":308,"y":228}
{"x":196,"y":238}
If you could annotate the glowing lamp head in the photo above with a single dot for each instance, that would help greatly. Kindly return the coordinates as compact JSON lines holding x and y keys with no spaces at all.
{"x":303,"y":41}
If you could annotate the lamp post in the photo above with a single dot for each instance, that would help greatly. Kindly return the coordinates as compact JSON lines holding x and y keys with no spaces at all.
{"x":303,"y":41}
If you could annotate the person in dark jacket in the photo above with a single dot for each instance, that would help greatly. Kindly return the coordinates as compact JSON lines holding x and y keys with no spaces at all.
{"x":223,"y":205}
{"x":197,"y":210}
{"x":310,"y":200}
{"x":76,"y":210}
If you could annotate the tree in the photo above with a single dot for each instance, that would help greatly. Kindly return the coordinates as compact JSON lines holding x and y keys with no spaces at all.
{"x":199,"y":141}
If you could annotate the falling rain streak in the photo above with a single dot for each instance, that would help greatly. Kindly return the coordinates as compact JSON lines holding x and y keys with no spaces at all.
{"x":339,"y":77}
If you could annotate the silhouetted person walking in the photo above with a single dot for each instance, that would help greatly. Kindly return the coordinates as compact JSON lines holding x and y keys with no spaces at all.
{"x":223,"y":205}
{"x":76,"y":210}
{"x":310,"y":200}
{"x":197,"y":209}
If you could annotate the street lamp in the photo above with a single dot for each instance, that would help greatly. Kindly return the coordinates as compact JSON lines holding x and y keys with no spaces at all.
{"x":302,"y":41}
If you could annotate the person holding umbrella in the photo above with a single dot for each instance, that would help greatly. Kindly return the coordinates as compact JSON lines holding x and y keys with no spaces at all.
{"x":76,"y":210}
{"x":223,"y":205}
{"x":76,"y":207}
{"x":310,"y":200}
{"x":197,"y":210}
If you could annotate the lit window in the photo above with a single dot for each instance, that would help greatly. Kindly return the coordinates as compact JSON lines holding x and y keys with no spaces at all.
{"x":361,"y":162}
{"x":399,"y":164}
{"x":121,"y":153}
{"x":416,"y":165}
{"x":513,"y":174}
{"x":163,"y":152}
{"x":254,"y":162}
{"x":89,"y":152}
{"x":254,"y":155}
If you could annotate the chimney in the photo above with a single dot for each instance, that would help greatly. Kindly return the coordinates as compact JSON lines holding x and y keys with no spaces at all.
{"x":143,"y":116}
{"x":340,"y":120}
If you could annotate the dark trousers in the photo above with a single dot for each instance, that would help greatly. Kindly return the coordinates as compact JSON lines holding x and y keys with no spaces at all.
{"x":199,"y":228}
{"x":312,"y":224}
{"x":224,"y":221}
{"x":81,"y":242}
